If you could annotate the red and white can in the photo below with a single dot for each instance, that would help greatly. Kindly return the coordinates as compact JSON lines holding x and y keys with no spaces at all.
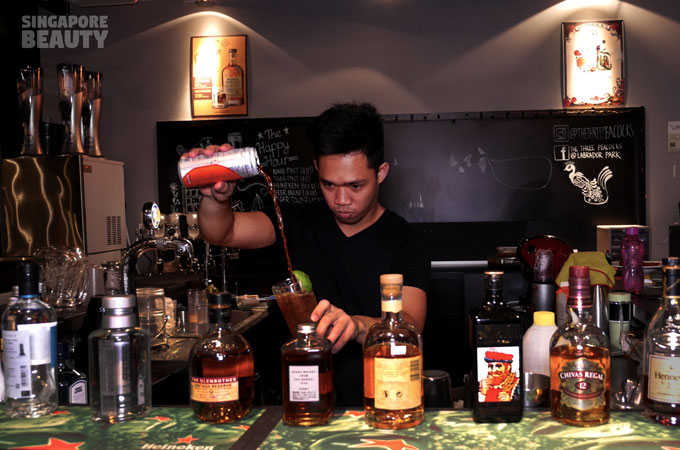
{"x":231,"y":165}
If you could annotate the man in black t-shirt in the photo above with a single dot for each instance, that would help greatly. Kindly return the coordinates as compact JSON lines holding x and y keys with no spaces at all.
{"x":344,"y":243}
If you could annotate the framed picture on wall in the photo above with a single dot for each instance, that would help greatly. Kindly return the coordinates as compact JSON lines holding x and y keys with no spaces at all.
{"x":218,"y":76}
{"x":593,"y":72}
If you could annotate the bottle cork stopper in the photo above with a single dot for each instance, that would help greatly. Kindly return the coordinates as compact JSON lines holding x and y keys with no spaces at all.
{"x":391,"y":278}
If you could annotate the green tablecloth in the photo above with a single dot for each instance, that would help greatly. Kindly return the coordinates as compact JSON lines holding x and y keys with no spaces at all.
{"x":456,"y":430}
{"x":164,"y":429}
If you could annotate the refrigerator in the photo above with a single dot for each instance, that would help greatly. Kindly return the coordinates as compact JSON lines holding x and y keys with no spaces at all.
{"x":63,"y":200}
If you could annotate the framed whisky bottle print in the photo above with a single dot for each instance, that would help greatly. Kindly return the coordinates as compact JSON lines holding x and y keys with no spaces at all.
{"x":218,"y":76}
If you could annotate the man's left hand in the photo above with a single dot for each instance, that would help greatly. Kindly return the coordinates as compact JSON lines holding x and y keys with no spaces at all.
{"x":334,"y":324}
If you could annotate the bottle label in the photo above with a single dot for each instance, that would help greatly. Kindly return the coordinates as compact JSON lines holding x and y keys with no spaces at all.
{"x":582,"y":384}
{"x":664,"y":379}
{"x":214,"y":390}
{"x":303,"y":383}
{"x":77,"y":393}
{"x":498,"y":374}
{"x":391,"y":306}
{"x":115,"y":370}
{"x":16,"y":361}
{"x":398,"y":382}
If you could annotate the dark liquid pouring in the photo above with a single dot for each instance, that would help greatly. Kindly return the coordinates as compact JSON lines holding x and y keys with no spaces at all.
{"x":279,"y":218}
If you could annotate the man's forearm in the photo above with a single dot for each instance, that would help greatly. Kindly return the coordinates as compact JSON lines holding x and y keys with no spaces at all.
{"x":215,"y":220}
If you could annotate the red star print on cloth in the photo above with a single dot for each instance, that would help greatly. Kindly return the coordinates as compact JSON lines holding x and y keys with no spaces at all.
{"x":186,"y":440}
{"x":241,"y":427}
{"x":56,"y":413}
{"x":53,"y":444}
{"x":159,"y":418}
{"x":394,"y":444}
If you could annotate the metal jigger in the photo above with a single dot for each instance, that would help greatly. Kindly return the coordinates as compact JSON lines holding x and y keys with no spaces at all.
{"x":70,"y":79}
{"x":92,"y":108}
{"x":30,"y":85}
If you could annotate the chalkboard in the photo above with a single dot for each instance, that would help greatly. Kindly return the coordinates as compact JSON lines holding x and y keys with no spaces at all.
{"x":471,"y":181}
{"x":282,"y":147}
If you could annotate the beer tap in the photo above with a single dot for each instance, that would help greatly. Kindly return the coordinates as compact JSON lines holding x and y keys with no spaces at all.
{"x":151,"y":221}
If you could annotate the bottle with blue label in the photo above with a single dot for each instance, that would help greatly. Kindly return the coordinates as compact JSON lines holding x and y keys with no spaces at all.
{"x":29,"y":357}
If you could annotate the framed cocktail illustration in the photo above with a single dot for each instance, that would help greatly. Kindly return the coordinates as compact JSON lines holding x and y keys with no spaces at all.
{"x":218,"y":76}
{"x":593,"y":71}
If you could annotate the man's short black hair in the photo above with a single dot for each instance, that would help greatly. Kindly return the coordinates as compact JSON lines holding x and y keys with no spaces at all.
{"x":349,"y":127}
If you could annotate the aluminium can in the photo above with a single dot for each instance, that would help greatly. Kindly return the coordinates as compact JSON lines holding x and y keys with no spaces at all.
{"x":230,"y":165}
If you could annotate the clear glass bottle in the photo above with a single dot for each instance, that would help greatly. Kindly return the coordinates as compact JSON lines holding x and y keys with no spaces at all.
{"x":72,"y":384}
{"x":120,"y":366}
{"x":496,"y":343}
{"x":579,"y":360}
{"x":393,"y":364}
{"x":632,"y":261}
{"x":29,"y":333}
{"x":661,"y":357}
{"x":307,"y":375}
{"x":232,"y":80}
{"x":221,"y":368}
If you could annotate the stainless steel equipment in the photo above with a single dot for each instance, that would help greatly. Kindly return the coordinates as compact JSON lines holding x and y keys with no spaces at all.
{"x":92,"y":108}
{"x":70,"y":78}
{"x":30,"y":86}
{"x":64,"y":200}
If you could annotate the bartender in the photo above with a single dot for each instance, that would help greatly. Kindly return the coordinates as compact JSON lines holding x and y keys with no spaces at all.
{"x":344,"y":243}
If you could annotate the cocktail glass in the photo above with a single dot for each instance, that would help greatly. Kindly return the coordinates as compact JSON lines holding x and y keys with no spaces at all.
{"x":295,"y":304}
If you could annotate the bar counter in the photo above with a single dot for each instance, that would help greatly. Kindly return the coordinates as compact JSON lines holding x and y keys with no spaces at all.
{"x":176,"y":428}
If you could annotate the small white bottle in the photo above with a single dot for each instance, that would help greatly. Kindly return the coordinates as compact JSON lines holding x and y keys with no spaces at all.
{"x":536,"y":343}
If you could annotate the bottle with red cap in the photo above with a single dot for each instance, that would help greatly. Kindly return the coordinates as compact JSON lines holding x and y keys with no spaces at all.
{"x":496,"y":343}
{"x":579,"y":360}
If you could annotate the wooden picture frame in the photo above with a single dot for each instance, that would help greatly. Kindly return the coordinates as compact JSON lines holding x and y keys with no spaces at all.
{"x":218,"y":67}
{"x":593,"y":71}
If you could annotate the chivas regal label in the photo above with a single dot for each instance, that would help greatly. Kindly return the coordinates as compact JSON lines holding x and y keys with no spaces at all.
{"x":582,"y":384}
{"x":664,"y":379}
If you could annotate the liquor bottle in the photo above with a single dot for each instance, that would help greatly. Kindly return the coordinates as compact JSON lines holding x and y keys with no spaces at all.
{"x":221,"y":367}
{"x":632,"y":261}
{"x":661,"y":356}
{"x":579,"y":360}
{"x":29,"y":333}
{"x":307,"y":375}
{"x":119,"y":362}
{"x":232,"y":80}
{"x":72,"y":384}
{"x":393,"y":365}
{"x":496,"y":343}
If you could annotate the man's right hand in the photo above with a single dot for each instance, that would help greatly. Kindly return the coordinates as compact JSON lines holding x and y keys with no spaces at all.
{"x":222,"y":190}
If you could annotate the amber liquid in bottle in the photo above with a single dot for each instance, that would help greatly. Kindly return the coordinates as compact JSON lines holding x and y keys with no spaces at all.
{"x":393,"y":365}
{"x":661,"y":356}
{"x":579,"y":361}
{"x":221,"y":368}
{"x":307,"y":374}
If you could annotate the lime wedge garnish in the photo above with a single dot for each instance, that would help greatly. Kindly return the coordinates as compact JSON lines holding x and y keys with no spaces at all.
{"x":304,"y":280}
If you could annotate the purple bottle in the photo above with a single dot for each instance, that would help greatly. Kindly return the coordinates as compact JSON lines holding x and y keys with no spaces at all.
{"x":632,"y":258}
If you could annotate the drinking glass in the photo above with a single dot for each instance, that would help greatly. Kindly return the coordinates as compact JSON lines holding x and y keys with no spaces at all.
{"x":152,"y":318}
{"x":295,"y":304}
{"x":112,"y":278}
{"x":63,"y":273}
{"x":197,"y":311}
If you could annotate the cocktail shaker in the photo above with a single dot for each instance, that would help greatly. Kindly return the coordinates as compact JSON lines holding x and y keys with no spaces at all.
{"x":30,"y":86}
{"x":70,"y":79}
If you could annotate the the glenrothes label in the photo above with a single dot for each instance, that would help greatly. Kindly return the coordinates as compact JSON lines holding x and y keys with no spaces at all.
{"x":582,"y":384}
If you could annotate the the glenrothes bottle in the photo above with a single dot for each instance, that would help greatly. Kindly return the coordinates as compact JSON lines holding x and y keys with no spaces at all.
{"x":29,"y":357}
{"x":393,"y":365}
{"x":119,"y":362}
{"x":232,"y":80}
{"x":579,"y":360}
{"x":221,"y":368}
{"x":496,"y":343}
{"x":307,"y":375}
{"x":661,"y":357}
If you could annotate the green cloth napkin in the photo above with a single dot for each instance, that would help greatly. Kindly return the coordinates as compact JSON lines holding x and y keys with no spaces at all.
{"x":601,"y":272}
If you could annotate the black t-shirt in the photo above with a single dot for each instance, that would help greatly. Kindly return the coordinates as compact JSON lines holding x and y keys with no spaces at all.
{"x":346,"y":271}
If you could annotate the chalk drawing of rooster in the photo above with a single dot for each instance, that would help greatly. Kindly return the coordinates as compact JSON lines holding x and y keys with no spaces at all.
{"x":594,"y":191}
